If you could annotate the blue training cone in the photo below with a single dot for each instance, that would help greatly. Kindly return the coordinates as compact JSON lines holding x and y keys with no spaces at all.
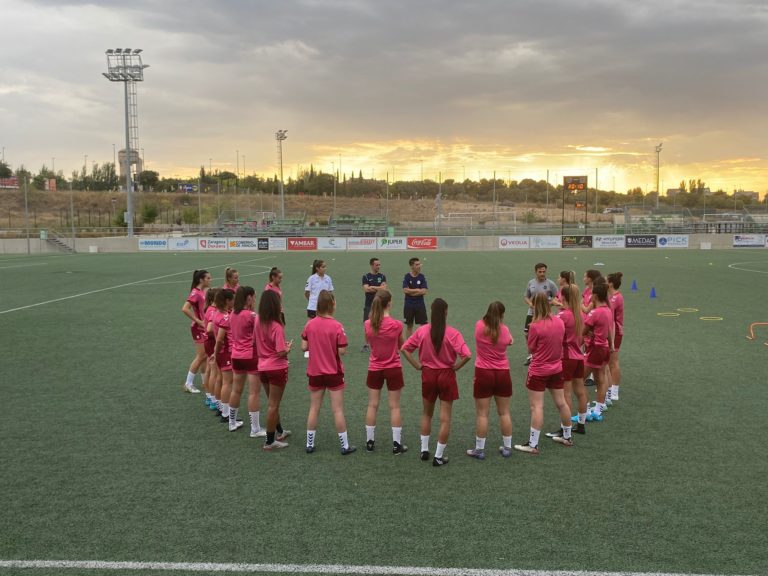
{"x":653,"y":293}
{"x":634,"y":285}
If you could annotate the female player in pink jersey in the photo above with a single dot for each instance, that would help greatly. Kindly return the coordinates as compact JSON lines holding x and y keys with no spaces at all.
{"x":492,"y":379}
{"x":384,"y":335}
{"x":210,"y":341}
{"x":566,"y":278}
{"x":325,"y":338}
{"x":439,"y":346}
{"x":545,"y":342}
{"x":275,"y":279}
{"x":245,"y":361}
{"x":573,"y":358}
{"x":273,"y":350}
{"x":598,"y":332}
{"x":590,"y":277}
{"x":194,"y":309}
{"x":616,"y":301}
{"x":231,"y":279}
{"x":221,"y":359}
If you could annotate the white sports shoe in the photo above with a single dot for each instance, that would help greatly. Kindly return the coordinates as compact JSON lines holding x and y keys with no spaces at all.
{"x":190,"y":389}
{"x":260,"y":433}
{"x":276,"y":445}
{"x":237,"y":426}
{"x":306,"y":354}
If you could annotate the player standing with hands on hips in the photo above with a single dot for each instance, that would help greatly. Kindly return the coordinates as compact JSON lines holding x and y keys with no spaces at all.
{"x":373,"y":281}
{"x":415,"y":288}
{"x":539,"y":284}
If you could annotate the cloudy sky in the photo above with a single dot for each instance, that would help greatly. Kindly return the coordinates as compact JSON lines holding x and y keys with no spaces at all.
{"x":455,"y":87}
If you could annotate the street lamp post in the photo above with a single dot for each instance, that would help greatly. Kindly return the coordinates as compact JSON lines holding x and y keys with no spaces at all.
{"x":658,"y":172}
{"x":125,"y":65}
{"x":280,"y":135}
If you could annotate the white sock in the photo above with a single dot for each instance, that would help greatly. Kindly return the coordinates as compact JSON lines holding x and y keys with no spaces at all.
{"x":567,"y":431}
{"x":479,"y":443}
{"x":615,"y":392}
{"x":190,"y":378}
{"x":533,"y":439}
{"x":255,"y":425}
{"x":232,"y":416}
{"x":439,"y":450}
{"x":425,"y":443}
{"x":599,"y":407}
{"x":370,"y":432}
{"x":507,"y":440}
{"x":397,"y":434}
{"x":343,"y":440}
{"x":582,"y":418}
{"x":225,"y":409}
{"x":311,"y":438}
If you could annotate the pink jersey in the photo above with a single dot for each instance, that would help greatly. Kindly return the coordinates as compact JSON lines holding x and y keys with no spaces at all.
{"x":453,"y":346}
{"x":572,"y":342}
{"x":324,"y":336}
{"x":274,"y":289}
{"x":197,"y":299}
{"x":489,"y":355}
{"x":209,"y":314}
{"x":232,"y":288}
{"x":221,"y":322}
{"x":385,"y":345}
{"x":241,"y":334}
{"x":545,"y":342}
{"x":617,"y":305}
{"x":586,"y":296}
{"x":270,"y":342}
{"x":601,"y":321}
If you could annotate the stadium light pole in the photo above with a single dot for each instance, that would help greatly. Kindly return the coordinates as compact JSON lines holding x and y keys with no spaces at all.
{"x":125,"y":65}
{"x":658,"y":173}
{"x":280,"y":135}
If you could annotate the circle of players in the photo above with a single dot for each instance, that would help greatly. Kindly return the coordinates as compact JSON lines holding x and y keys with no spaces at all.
{"x":239,"y":337}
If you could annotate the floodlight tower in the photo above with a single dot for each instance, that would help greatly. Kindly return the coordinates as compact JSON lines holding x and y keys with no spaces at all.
{"x":125,"y":65}
{"x":658,"y":172}
{"x":280,"y":135}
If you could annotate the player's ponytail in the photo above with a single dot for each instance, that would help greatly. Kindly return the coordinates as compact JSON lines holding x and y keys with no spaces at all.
{"x":541,"y":307}
{"x":614,"y":280}
{"x":241,"y":298}
{"x":572,"y":297}
{"x":438,"y":315}
{"x":569,"y":276}
{"x":197,"y":277}
{"x":379,"y":305}
{"x":493,"y":318}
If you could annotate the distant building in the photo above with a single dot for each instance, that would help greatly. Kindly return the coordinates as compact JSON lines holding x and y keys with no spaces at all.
{"x":672,"y":192}
{"x":747,"y":195}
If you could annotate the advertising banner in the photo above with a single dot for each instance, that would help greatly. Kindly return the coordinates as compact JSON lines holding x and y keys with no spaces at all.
{"x":263,"y":243}
{"x":672,"y":241}
{"x":182,"y":244}
{"x":640,"y":241}
{"x":545,"y":242}
{"x":393,"y":243}
{"x":612,"y":241}
{"x":577,"y":241}
{"x":302,"y":243}
{"x":212,"y":244}
{"x":514,"y":242}
{"x":153,"y":244}
{"x":749,"y":240}
{"x":361,"y":243}
{"x":452,"y":243}
{"x":278,"y":244}
{"x":422,"y":242}
{"x":331,"y":243}
{"x":242,"y":244}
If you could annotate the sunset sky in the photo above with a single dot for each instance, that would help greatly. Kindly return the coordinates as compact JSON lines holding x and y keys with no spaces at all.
{"x":461,"y":88}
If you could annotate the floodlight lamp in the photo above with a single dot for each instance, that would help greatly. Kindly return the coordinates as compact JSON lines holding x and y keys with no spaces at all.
{"x":118,"y":50}
{"x":126,"y":50}
{"x":110,"y":51}
{"x":137,"y":51}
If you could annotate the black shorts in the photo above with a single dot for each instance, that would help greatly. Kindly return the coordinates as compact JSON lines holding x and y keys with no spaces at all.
{"x":528,"y":320}
{"x":411,"y":313}
{"x":366,"y":313}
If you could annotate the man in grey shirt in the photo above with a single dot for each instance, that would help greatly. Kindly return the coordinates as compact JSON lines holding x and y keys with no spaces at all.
{"x":540,"y":283}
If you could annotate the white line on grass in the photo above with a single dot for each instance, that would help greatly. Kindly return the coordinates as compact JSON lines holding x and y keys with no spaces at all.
{"x":121,"y":286}
{"x":735,"y":266}
{"x":24,"y":265}
{"x":363,"y":570}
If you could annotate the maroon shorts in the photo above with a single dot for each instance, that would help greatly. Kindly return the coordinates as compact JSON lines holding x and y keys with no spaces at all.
{"x":572,"y":368}
{"x":199,"y":335}
{"x":393,"y":377}
{"x":439,"y":383}
{"x":541,"y":383}
{"x":245,"y":365}
{"x":224,"y":361}
{"x":210,"y":344}
{"x":274,"y":377}
{"x":489,"y":382}
{"x":617,"y":338}
{"x":597,"y":357}
{"x":331,"y":382}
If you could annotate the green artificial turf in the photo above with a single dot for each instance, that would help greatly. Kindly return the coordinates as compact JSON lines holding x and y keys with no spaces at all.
{"x":104,"y":457}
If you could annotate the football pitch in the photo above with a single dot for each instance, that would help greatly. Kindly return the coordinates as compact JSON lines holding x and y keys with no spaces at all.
{"x":105,"y":460}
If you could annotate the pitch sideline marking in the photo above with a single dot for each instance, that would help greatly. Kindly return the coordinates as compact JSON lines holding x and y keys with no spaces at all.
{"x":668,"y":314}
{"x":121,"y":286}
{"x":735,"y":266}
{"x":24,"y":265}
{"x":363,"y":570}
{"x":261,"y":273}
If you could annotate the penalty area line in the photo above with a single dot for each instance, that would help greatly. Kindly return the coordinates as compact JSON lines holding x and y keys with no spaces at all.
{"x":362,"y":570}
{"x":63,"y":298}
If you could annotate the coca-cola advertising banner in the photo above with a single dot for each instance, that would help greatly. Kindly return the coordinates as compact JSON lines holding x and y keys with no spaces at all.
{"x":302,"y":243}
{"x":422,"y":242}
